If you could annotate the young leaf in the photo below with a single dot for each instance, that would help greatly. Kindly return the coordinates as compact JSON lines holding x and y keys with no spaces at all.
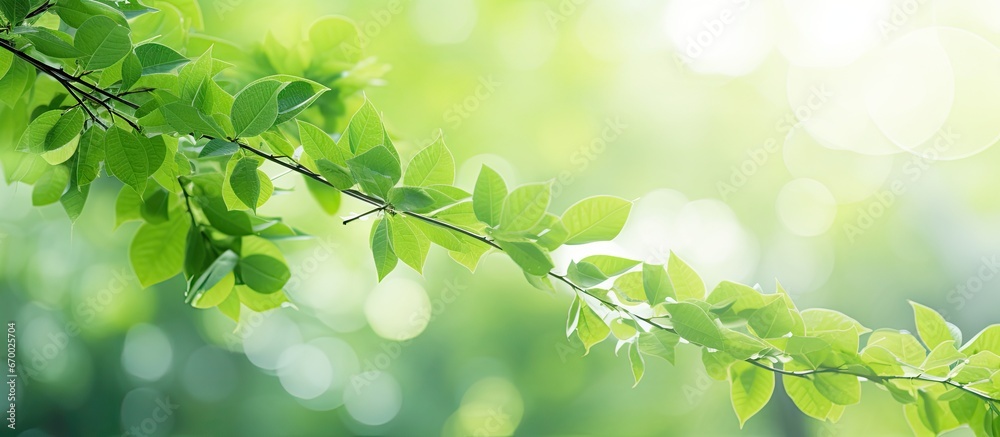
{"x":202,"y":292}
{"x":773,"y":320}
{"x":931,"y":327}
{"x":597,"y":218}
{"x":810,"y":401}
{"x":218,"y":147}
{"x":318,"y":145}
{"x":637,"y":363}
{"x":656,"y":284}
{"x":15,"y":10}
{"x":376,"y":170}
{"x":488,"y":196}
{"x":51,"y":186}
{"x":74,"y":200}
{"x":76,"y":12}
{"x":131,"y":71}
{"x":433,"y":165}
{"x":51,"y":42}
{"x":337,"y":175}
{"x":412,"y":199}
{"x":157,"y":251}
{"x":157,"y":58}
{"x":750,"y":388}
{"x":408,"y":242}
{"x":126,"y":158}
{"x":255,"y":108}
{"x":61,"y":142}
{"x":365,"y":131}
{"x":296,"y":96}
{"x":382,"y":251}
{"x":328,"y":198}
{"x":264,"y":274}
{"x":260,"y":302}
{"x":235,"y":223}
{"x":695,"y":325}
{"x":687,"y":284}
{"x":245,"y":181}
{"x":524,"y":207}
{"x":839,"y":388}
{"x":529,"y":256}
{"x":659,"y":343}
{"x":590,"y":327}
{"x":103,"y":42}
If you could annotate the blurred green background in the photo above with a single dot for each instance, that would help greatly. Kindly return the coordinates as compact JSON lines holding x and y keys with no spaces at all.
{"x":840,"y":147}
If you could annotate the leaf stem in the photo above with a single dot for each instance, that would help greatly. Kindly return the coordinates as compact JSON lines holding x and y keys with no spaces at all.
{"x":364,"y":214}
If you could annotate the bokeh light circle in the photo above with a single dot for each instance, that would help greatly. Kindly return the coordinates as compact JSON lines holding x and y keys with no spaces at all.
{"x":806,"y":207}
{"x":849,"y":175}
{"x":304,"y":371}
{"x":376,"y":401}
{"x":720,"y":36}
{"x":398,"y":309}
{"x":147,"y":353}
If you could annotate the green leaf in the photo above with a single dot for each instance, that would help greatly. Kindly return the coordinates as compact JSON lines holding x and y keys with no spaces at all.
{"x":365,"y":131}
{"x":128,"y":206}
{"x":986,"y":340}
{"x":13,"y":84}
{"x":157,"y":251}
{"x":318,"y":145}
{"x":376,"y":170}
{"x":255,"y":108}
{"x":412,"y":199}
{"x":296,"y":96}
{"x":157,"y":58}
{"x":695,"y":325}
{"x":772,"y":320}
{"x":656,"y":284}
{"x":131,"y":71}
{"x":659,"y":343}
{"x":433,"y":165}
{"x":126,"y":158}
{"x":156,"y":205}
{"x":573,"y":315}
{"x":186,"y":119}
{"x":591,"y":327}
{"x":524,"y":207}
{"x":488,"y":196}
{"x":103,"y":42}
{"x":59,"y":142}
{"x":382,"y":251}
{"x":810,"y":401}
{"x":51,"y":42}
{"x":629,"y":289}
{"x":408,"y":242}
{"x":687,"y":284}
{"x":218,"y":147}
{"x":236,"y":223}
{"x":263,"y":273}
{"x":231,"y":307}
{"x":840,"y":389}
{"x":529,"y":256}
{"x":76,"y":12}
{"x":217,"y":294}
{"x":931,"y":327}
{"x":336,"y":174}
{"x":750,"y":388}
{"x":597,"y":218}
{"x":51,"y":186}
{"x":636,"y":362}
{"x":623,"y":329}
{"x":328,"y":198}
{"x":585,"y":274}
{"x":260,"y":302}
{"x":15,"y":10}
{"x":246,"y":182}
{"x":74,"y":200}
{"x":215,"y":283}
{"x":234,"y":201}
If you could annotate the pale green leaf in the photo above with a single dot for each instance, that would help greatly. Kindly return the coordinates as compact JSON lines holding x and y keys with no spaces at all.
{"x":488,"y":196}
{"x":597,"y":218}
{"x":750,"y":388}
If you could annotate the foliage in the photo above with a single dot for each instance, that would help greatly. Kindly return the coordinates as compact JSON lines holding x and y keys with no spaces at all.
{"x":152,"y":105}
